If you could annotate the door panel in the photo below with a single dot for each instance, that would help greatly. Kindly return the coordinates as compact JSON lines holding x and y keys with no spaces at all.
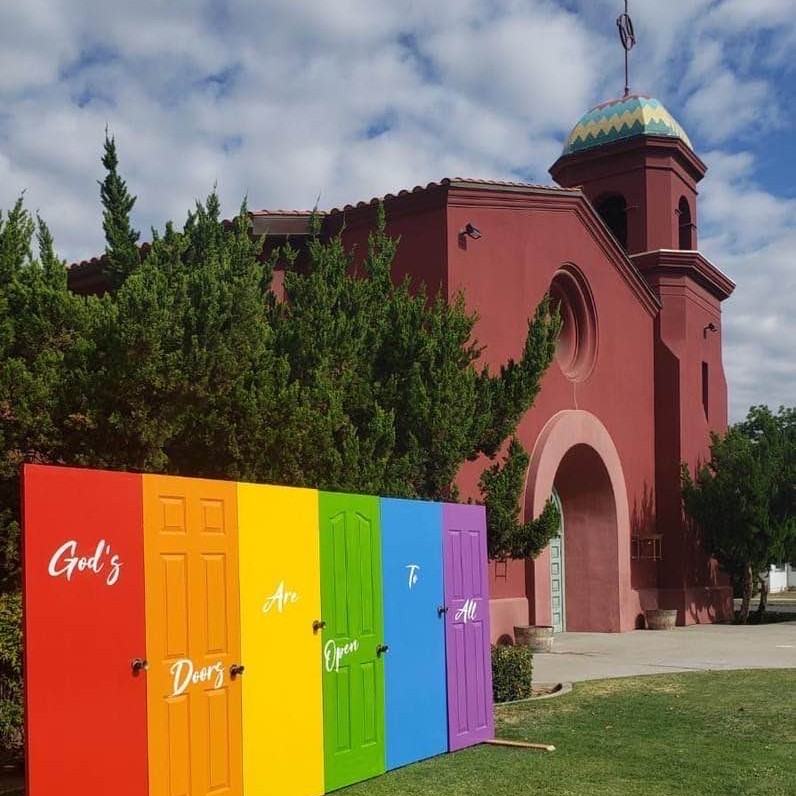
{"x":193,"y":636}
{"x":414,"y":670}
{"x":557,"y":583}
{"x":469,"y":667}
{"x":84,"y":624}
{"x":280,"y":600}
{"x":353,"y":673}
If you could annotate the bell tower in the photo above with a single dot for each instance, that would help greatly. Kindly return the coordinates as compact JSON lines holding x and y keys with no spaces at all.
{"x":635,"y":164}
{"x":637,"y":167}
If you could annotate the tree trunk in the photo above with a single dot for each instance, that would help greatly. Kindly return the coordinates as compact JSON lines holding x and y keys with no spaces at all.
{"x":746,"y":595}
{"x":763,"y":605}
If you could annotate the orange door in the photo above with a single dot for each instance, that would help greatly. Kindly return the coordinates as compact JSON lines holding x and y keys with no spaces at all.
{"x":193,"y":637}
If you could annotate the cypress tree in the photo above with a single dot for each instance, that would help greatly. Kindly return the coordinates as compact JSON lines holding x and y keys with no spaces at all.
{"x":122,"y":256}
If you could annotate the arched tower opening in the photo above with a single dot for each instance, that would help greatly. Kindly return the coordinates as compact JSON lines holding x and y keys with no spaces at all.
{"x":685,"y":225}
{"x":613,"y":211}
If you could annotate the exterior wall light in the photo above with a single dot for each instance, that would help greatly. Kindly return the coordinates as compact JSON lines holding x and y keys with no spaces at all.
{"x":471,"y":231}
{"x":711,"y":327}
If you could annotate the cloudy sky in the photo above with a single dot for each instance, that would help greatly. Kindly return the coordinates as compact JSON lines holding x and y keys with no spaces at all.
{"x":290,"y":102}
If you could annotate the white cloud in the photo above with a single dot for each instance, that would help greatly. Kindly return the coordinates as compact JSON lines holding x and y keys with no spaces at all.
{"x":283,"y":101}
{"x":751,"y":234}
{"x":726,"y":105}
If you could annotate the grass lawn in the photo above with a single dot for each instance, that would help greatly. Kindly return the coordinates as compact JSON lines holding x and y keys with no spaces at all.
{"x":695,"y":734}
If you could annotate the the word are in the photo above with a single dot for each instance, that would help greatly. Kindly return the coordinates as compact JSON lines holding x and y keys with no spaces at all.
{"x":280,"y":598}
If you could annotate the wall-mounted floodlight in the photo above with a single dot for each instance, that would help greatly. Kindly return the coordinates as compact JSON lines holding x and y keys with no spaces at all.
{"x":711,"y":327}
{"x":471,"y":231}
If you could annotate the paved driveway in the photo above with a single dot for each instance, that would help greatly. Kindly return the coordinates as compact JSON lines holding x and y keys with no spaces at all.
{"x":590,"y":656}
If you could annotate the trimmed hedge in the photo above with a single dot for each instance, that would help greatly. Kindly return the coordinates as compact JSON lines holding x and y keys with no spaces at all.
{"x":512,"y":670}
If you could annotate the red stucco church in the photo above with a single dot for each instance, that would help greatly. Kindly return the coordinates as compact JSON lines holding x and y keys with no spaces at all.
{"x":638,"y":382}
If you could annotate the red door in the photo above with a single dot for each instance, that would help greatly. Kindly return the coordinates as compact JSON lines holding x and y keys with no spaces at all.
{"x":84,"y":625}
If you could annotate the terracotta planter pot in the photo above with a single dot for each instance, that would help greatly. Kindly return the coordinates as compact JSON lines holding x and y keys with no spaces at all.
{"x":538,"y":637}
{"x":660,"y":618}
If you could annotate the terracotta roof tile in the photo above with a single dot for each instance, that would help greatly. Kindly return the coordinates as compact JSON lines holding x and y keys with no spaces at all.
{"x":444,"y":183}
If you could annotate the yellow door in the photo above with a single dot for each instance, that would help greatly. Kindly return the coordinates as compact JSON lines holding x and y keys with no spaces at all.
{"x":280,"y":601}
{"x":193,"y":637}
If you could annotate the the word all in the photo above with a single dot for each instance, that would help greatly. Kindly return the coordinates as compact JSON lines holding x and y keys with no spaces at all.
{"x":66,"y":561}
{"x":413,"y":576}
{"x":467,"y":612}
{"x":280,"y":598}
{"x":332,"y":654}
{"x":185,"y":673}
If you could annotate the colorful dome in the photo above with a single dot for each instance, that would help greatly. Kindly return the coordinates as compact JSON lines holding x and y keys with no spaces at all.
{"x":618,"y":119}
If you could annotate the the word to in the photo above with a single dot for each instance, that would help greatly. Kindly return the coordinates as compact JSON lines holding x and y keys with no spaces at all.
{"x":185,"y":673}
{"x":413,"y":576}
{"x":332,"y":654}
{"x":280,"y":598}
{"x":467,"y":612}
{"x":66,"y":561}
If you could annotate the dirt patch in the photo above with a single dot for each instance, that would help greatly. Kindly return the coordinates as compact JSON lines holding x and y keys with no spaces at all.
{"x":545,"y":689}
{"x":632,"y":685}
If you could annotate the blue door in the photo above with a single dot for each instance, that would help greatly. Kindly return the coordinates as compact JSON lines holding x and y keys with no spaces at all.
{"x":414,"y":630}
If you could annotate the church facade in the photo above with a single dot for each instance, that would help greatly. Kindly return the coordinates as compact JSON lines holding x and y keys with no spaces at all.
{"x":637,"y":383}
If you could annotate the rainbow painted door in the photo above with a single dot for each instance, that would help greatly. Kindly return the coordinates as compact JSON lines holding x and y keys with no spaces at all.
{"x":353,"y":665}
{"x":416,"y":716}
{"x":280,"y":589}
{"x":84,"y":625}
{"x":193,"y":637}
{"x":470,"y":719}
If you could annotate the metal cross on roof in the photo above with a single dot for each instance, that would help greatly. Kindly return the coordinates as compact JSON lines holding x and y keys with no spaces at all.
{"x":628,"y":38}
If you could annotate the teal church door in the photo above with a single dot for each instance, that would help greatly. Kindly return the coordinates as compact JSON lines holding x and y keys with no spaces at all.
{"x":557,"y":582}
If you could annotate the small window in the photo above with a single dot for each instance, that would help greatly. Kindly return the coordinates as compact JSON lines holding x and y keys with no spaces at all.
{"x":705,"y":394}
{"x":613,"y":210}
{"x":686,"y":224}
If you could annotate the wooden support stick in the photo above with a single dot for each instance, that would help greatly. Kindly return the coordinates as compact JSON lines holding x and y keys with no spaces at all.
{"x":544,"y":747}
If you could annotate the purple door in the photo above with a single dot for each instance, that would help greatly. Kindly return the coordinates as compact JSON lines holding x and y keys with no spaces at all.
{"x":469,"y":667}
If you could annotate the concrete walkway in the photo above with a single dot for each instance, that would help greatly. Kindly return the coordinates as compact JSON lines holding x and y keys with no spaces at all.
{"x":591,"y":656}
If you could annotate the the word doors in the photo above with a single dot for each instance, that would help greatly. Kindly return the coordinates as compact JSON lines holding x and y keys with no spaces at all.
{"x":280,"y":592}
{"x":84,"y":590}
{"x":470,"y":717}
{"x":193,"y":637}
{"x":353,"y":671}
{"x":416,"y":723}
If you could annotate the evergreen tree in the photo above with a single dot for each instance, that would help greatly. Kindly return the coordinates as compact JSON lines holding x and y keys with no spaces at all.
{"x":744,"y":497}
{"x":502,"y":486}
{"x":121,"y":249}
{"x":391,"y":397}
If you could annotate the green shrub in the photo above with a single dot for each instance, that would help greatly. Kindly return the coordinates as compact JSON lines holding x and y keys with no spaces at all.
{"x":11,"y":710}
{"x":512,"y":668}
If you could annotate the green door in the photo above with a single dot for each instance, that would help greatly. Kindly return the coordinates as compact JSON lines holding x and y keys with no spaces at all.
{"x":352,"y":658}
{"x":557,"y":582}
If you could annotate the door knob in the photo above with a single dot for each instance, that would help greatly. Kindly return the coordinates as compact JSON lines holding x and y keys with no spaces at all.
{"x":442,"y":609}
{"x":236,"y":669}
{"x":381,"y":649}
{"x":139,"y":665}
{"x":317,"y":625}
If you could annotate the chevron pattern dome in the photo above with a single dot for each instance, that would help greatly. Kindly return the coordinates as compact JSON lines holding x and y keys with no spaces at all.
{"x":618,"y":119}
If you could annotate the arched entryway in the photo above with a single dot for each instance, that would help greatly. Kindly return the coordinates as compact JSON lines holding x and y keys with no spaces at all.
{"x":576,"y":456}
